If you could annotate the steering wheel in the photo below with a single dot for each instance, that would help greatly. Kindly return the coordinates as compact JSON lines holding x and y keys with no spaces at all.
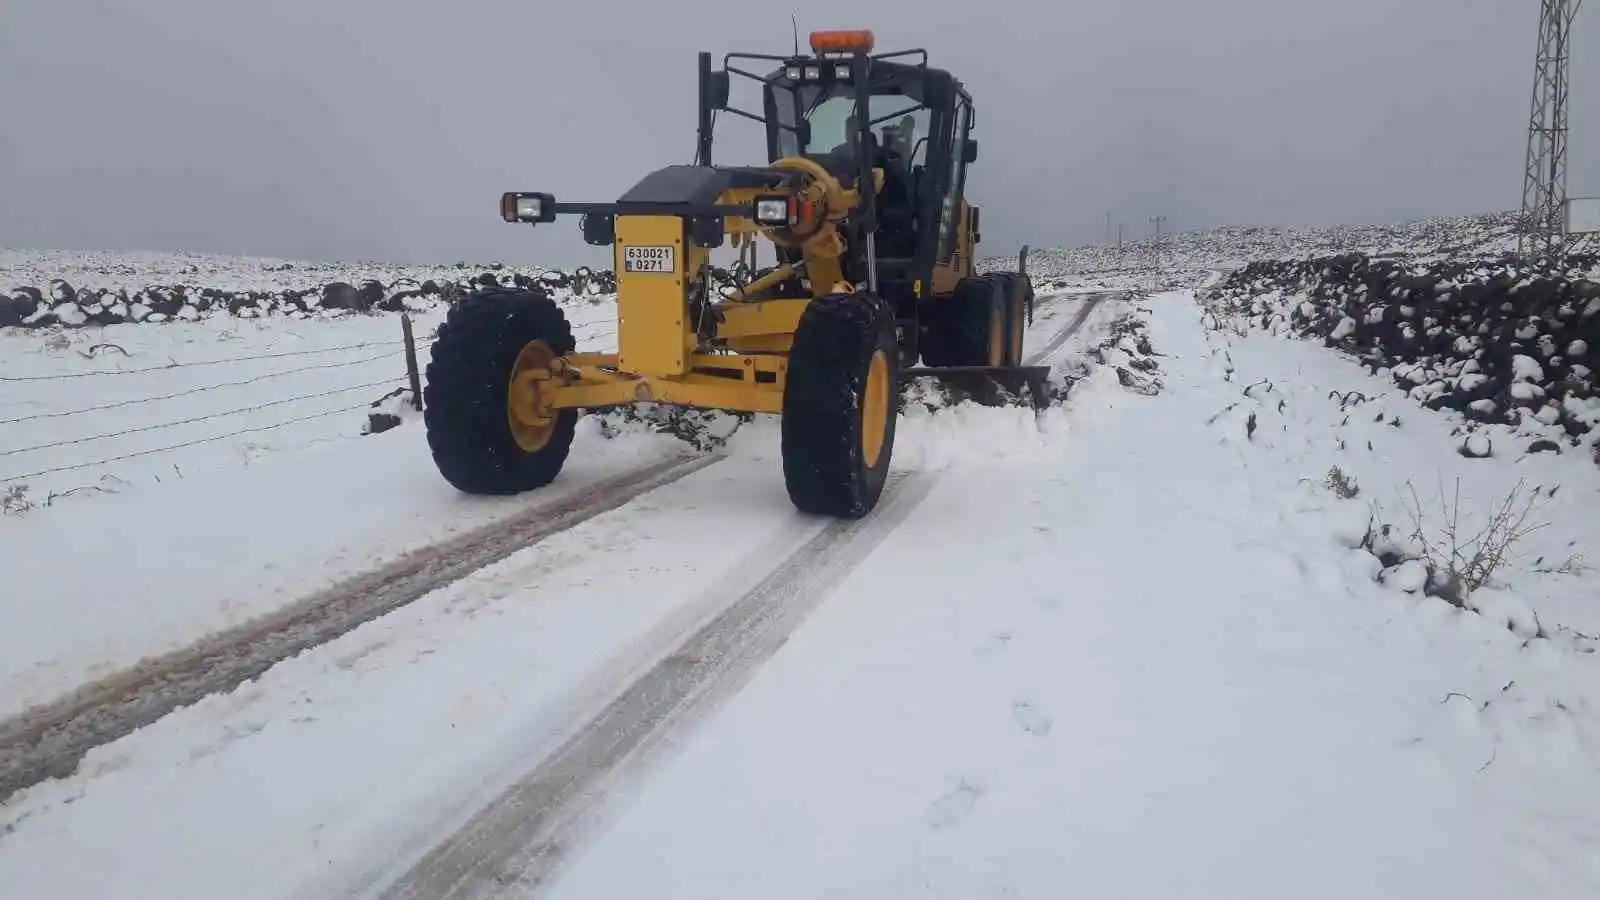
{"x":832,"y":190}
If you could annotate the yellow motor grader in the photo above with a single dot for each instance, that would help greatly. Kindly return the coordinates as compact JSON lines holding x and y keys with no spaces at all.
{"x":873,"y":243}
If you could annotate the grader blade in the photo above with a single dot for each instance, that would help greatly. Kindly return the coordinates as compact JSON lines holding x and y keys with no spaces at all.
{"x":991,"y":385}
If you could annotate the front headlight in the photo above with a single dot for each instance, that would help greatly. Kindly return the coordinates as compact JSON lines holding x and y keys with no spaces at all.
{"x":773,"y":211}
{"x":529,"y":209}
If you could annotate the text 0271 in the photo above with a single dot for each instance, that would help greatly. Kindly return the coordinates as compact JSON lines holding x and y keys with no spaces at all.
{"x":649,"y":258}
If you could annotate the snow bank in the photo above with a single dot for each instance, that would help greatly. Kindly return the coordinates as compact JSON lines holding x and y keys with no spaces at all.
{"x":1496,"y":341}
{"x":1429,"y":509}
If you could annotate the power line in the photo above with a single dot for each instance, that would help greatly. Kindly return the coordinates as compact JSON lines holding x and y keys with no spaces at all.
{"x":1155,"y":252}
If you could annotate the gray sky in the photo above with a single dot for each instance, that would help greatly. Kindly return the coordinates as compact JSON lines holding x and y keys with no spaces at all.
{"x":330,"y":129}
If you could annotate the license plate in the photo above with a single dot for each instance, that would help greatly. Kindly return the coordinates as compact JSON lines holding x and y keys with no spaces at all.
{"x":649,"y":258}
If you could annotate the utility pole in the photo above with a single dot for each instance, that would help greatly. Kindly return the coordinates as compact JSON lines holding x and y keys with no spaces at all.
{"x":1155,"y":252}
{"x":1542,"y":231}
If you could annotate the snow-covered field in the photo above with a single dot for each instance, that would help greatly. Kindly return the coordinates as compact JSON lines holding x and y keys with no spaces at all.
{"x":210,"y":472}
{"x":1192,"y":633}
{"x":216,"y":471}
{"x":134,"y":271}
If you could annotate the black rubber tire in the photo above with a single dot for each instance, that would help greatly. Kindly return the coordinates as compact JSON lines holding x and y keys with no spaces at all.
{"x":1016,"y":289}
{"x":1024,"y":307}
{"x":464,"y":403}
{"x":958,"y":333}
{"x":824,"y":467}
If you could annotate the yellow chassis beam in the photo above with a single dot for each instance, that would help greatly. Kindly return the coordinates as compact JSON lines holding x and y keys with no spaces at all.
{"x":592,"y":380}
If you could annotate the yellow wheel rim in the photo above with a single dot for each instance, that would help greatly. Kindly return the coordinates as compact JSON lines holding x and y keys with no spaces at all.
{"x":1019,"y":329}
{"x":875,"y":408}
{"x":531,"y":423}
{"x":998,"y":339}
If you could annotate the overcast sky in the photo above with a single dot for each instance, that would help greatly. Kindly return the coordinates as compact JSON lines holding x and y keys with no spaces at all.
{"x":337,"y":129}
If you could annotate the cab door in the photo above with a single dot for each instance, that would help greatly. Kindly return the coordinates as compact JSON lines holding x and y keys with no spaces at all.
{"x":952,"y":256}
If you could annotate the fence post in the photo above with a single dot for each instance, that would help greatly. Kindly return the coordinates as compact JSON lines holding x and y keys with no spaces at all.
{"x":411,"y":361}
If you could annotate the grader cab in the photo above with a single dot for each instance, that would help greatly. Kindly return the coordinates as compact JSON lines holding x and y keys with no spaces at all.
{"x":872,"y":270}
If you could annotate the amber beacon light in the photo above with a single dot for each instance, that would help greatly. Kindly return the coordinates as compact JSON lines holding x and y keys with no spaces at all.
{"x":859,"y":41}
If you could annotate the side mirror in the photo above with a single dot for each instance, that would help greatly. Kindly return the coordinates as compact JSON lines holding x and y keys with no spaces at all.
{"x":969,"y":151}
{"x":717,"y":90}
{"x":972,"y":224}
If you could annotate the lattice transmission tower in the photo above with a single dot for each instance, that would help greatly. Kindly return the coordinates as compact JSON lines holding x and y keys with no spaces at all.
{"x":1543,"y":229}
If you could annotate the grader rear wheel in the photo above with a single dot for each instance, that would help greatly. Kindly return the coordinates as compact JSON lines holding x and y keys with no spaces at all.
{"x":1015,"y":289}
{"x":962,"y":329}
{"x":485,"y":425}
{"x":839,"y":416}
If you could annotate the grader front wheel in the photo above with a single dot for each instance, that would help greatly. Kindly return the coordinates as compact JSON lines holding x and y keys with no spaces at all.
{"x":486,"y":427}
{"x":838,"y":420}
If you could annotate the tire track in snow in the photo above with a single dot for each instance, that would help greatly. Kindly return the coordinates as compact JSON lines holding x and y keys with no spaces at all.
{"x":519,"y":840}
{"x":1060,"y":337}
{"x":49,"y":741}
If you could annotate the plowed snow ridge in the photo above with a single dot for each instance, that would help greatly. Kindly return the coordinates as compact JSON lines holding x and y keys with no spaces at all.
{"x":49,"y":741}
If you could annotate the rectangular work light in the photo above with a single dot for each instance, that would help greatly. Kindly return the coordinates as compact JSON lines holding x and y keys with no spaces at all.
{"x":529,"y":207}
{"x":774,"y":210}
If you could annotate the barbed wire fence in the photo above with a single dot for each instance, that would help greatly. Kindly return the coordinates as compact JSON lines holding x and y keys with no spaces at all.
{"x":400,"y":355}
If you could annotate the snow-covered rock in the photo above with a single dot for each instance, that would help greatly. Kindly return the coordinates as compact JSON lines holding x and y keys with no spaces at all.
{"x":1500,"y":341}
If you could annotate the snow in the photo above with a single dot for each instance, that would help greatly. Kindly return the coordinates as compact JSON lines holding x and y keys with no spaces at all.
{"x":1527,"y":390}
{"x":134,"y":270}
{"x":1188,"y":258}
{"x":383,"y":734}
{"x":1251,"y":717}
{"x":162,"y":568}
{"x":210,"y":510}
{"x":557,"y":618}
{"x":1137,"y":647}
{"x":223,"y":386}
{"x":1410,"y":576}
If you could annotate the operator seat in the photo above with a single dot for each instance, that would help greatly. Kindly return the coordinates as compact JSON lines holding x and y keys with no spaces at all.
{"x":897,"y":202}
{"x":897,"y":237}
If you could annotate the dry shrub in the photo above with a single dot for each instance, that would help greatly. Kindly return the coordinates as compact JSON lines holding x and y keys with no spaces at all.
{"x":1459,"y":563}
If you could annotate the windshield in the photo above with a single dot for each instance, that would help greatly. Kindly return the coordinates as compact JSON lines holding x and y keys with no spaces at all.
{"x":831,"y":116}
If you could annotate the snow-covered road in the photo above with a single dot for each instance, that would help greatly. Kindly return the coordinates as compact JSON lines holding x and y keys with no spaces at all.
{"x":1129,"y":648}
{"x":1150,"y":666}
